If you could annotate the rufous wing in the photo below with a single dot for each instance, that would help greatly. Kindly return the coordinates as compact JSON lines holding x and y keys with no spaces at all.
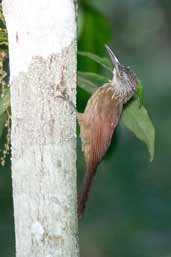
{"x":98,"y":123}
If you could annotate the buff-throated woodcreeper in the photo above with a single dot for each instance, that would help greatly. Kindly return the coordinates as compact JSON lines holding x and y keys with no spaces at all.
{"x":100,"y":118}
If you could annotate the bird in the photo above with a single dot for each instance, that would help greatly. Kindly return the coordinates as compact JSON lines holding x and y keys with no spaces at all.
{"x":100,"y":119}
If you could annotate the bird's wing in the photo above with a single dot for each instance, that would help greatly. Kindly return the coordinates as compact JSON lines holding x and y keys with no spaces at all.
{"x":103,"y":130}
{"x":98,"y":123}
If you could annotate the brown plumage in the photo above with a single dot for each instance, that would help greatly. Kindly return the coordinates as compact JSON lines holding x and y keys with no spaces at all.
{"x":97,"y":125}
{"x":98,"y":122}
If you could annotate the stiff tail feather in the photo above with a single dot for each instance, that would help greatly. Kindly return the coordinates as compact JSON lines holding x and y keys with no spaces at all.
{"x":84,"y":193}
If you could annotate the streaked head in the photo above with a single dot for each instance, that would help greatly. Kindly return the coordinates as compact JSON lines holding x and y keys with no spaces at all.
{"x":123,"y":77}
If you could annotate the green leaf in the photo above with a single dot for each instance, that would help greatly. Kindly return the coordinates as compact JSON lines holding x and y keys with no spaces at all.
{"x":5,"y":101}
{"x":89,"y":39}
{"x":1,"y":16}
{"x":86,"y":84}
{"x":2,"y":123}
{"x":97,"y":79}
{"x":140,"y":93}
{"x":138,"y":121}
{"x":104,"y":62}
{"x":80,"y":22}
{"x":3,"y":37}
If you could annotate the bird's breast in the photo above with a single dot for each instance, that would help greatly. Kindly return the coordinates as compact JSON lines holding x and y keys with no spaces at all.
{"x":103,"y":103}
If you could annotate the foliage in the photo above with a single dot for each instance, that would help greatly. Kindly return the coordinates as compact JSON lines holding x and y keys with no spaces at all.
{"x":138,"y":121}
{"x":94,"y":30}
{"x":4,"y":90}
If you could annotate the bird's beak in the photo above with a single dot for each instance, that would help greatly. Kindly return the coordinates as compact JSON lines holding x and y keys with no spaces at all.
{"x":113,"y":58}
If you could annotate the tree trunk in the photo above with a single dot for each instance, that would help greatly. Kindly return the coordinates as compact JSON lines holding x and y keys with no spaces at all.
{"x":42,"y":54}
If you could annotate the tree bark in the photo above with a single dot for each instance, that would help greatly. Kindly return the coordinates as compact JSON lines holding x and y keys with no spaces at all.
{"x":42,"y":54}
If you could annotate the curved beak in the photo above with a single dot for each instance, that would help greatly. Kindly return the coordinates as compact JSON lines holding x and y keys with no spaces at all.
{"x":113,"y":58}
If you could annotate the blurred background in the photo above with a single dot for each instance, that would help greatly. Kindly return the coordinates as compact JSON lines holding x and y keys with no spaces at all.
{"x":129,"y":210}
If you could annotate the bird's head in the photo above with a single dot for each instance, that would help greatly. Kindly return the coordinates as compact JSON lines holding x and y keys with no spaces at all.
{"x":124,"y":80}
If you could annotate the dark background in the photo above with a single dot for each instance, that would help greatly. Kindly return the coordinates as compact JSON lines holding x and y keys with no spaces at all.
{"x":129,"y":211}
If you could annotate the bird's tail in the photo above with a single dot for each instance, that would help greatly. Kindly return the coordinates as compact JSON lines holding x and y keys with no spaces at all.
{"x":83,"y":194}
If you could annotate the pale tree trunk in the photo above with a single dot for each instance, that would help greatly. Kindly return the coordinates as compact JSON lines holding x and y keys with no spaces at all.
{"x":42,"y":54}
